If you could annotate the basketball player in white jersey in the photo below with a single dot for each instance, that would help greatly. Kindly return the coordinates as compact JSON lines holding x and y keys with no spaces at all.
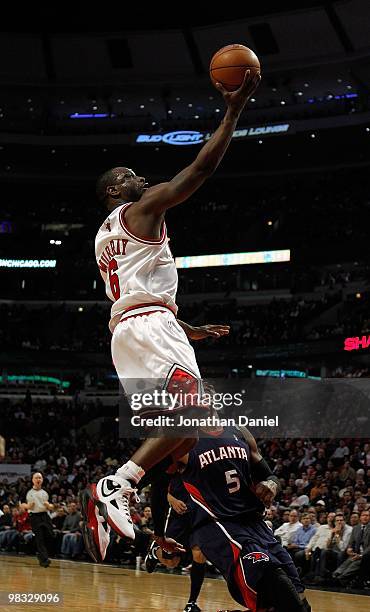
{"x":140,"y":277}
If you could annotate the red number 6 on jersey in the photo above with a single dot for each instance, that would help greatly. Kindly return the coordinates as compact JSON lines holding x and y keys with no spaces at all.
{"x":113,"y":279}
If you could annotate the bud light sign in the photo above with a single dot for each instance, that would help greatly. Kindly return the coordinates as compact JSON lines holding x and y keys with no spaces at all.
{"x":180,"y":138}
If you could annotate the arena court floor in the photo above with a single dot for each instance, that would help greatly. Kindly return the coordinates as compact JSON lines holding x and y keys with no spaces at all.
{"x":96,"y":588}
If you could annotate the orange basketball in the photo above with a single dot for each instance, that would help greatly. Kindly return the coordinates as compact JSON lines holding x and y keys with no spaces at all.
{"x":229,"y":64}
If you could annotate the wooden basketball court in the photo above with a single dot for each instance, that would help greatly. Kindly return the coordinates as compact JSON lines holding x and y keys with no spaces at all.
{"x":96,"y":588}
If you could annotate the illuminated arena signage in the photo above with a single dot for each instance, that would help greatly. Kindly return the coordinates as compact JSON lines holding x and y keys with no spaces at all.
{"x":28,"y":263}
{"x":232,"y":259}
{"x":356,"y":343}
{"x":262,"y":130}
{"x":182,"y":137}
{"x":192,"y":137}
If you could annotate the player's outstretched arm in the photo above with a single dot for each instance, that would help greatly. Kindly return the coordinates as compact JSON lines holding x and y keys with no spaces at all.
{"x":157,"y":199}
{"x":204,"y":331}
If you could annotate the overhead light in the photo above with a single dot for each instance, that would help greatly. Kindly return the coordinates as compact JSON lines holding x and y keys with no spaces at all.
{"x":190,"y":105}
{"x":80,"y":309}
{"x":299,"y":93}
{"x":253,"y":99}
{"x":250,"y":366}
{"x":269,"y":222}
{"x":51,"y":241}
{"x":306,"y":85}
{"x":217,"y":110}
{"x":260,"y":141}
{"x":58,"y":242}
{"x":368,"y":129}
{"x":196,"y":116}
{"x":282,"y":102}
{"x":169,"y":112}
{"x":142,"y":106}
{"x":313,"y":135}
{"x":358,"y":296}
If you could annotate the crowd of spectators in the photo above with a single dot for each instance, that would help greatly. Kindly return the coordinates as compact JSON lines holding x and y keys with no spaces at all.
{"x":85,"y":328}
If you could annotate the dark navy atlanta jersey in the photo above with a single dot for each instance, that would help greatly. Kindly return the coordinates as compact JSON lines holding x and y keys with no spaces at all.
{"x":218,"y":477}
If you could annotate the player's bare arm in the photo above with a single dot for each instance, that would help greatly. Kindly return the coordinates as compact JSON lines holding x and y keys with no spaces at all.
{"x":266,"y":484}
{"x":204,"y":331}
{"x":149,"y":210}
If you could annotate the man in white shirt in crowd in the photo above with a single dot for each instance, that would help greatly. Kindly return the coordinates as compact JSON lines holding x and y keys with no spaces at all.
{"x":286,"y":530}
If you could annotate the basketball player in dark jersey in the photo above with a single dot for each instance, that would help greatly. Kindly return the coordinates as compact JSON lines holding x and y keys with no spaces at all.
{"x":231,"y":484}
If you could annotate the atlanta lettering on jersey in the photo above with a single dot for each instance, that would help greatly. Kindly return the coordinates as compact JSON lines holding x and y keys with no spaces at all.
{"x":223,"y":452}
{"x":115,"y":247}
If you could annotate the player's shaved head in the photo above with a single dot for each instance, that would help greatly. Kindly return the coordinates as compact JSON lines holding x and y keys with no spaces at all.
{"x":108,"y":178}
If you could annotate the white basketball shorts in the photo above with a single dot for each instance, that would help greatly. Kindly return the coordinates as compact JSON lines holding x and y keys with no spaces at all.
{"x":151,"y":350}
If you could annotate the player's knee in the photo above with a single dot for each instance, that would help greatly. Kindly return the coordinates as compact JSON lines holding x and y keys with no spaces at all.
{"x":277,"y":589}
{"x":198,"y":555}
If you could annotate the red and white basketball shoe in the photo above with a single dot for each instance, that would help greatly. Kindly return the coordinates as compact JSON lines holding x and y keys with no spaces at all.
{"x":112,"y":497}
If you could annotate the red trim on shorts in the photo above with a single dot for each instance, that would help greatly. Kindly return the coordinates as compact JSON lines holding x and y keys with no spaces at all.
{"x":142,"y":314}
{"x":147,"y":305}
{"x":142,"y":239}
{"x":248,"y":594}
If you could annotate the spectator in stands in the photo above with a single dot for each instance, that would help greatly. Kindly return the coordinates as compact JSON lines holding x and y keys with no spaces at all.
{"x":272,"y":516}
{"x":313,"y":517}
{"x":5,"y":518}
{"x":23,"y":528}
{"x":354,"y":519}
{"x":316,"y":545}
{"x":147,"y":524}
{"x":286,"y":530}
{"x":359,"y":545}
{"x":334,"y":553}
{"x":72,"y":542}
{"x":340,"y":453}
{"x":8,"y":527}
{"x":300,"y":539}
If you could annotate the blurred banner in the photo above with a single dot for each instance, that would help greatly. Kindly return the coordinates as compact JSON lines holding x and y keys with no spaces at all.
{"x":12,"y":471}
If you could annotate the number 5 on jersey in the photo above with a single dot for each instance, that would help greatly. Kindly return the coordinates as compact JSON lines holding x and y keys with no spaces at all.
{"x":233,"y":480}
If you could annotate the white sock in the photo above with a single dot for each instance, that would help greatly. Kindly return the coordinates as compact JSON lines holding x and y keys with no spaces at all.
{"x":131,"y":471}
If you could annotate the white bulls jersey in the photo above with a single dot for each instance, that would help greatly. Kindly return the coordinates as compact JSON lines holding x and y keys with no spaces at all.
{"x":135,"y":270}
